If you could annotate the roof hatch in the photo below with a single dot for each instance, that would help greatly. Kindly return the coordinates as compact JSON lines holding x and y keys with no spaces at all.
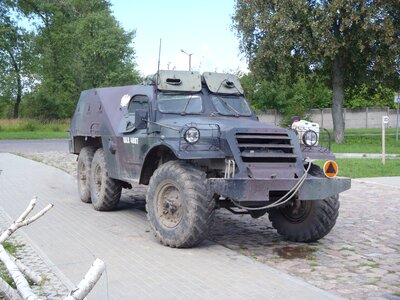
{"x":223,"y":83}
{"x":182,"y":81}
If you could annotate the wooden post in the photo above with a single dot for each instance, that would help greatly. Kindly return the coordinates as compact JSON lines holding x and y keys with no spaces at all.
{"x":383,"y":140}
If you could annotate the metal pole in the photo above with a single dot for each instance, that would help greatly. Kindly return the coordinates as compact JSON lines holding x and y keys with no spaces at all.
{"x":190,"y":58}
{"x":397,"y":124}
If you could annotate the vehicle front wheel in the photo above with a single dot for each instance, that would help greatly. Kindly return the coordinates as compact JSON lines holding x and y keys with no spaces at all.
{"x":180,"y":207}
{"x":105,"y":191}
{"x":306,"y":221}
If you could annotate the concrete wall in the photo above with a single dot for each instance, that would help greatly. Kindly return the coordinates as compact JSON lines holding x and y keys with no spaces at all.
{"x":354,"y":118}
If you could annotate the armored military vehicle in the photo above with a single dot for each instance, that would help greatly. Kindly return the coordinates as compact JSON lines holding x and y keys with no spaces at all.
{"x":198,"y":145}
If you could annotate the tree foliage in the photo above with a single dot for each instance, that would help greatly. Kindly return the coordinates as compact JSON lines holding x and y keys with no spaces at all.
{"x":351,"y":42}
{"x":288,"y":99}
{"x":79,"y":45}
{"x":15,"y":60}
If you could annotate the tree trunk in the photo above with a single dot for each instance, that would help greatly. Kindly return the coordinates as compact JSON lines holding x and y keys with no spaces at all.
{"x":338,"y":97}
{"x":19,"y":96}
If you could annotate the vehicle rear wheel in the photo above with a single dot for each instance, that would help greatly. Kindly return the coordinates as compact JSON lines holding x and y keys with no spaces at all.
{"x":105,"y":191}
{"x":83,"y":172}
{"x":306,"y":221}
{"x":180,"y":207}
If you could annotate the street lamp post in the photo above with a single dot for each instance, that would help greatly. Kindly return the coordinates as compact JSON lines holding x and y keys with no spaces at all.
{"x":190,"y":58}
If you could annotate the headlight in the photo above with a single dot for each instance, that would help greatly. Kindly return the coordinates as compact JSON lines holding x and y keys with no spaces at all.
{"x":192,"y":135}
{"x":310,"y":138}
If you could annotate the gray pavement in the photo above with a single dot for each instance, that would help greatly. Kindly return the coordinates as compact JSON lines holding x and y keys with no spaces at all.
{"x":393,"y":181}
{"x":32,"y":146}
{"x":72,"y":235}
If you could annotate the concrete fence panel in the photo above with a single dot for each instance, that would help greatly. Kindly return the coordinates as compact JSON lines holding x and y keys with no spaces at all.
{"x":354,"y":118}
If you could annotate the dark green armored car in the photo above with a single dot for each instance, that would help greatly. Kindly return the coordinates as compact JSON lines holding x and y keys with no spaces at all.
{"x":197,"y":144}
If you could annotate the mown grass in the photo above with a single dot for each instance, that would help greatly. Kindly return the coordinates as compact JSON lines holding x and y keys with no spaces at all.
{"x":367,"y":141}
{"x":362,"y":167}
{"x":33,"y":129}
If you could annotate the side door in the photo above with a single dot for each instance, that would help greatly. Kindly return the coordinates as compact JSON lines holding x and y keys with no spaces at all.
{"x":134,"y":136}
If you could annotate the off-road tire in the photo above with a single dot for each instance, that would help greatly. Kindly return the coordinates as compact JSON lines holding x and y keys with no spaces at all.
{"x":83,"y":172}
{"x":179,"y":204}
{"x":313,"y":219}
{"x":105,"y":191}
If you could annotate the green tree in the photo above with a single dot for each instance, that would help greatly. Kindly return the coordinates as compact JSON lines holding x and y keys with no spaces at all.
{"x":16,"y":58}
{"x":291,"y":99}
{"x":81,"y":46}
{"x":352,"y":42}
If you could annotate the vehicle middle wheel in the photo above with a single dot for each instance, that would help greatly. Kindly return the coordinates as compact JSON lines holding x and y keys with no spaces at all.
{"x":105,"y":191}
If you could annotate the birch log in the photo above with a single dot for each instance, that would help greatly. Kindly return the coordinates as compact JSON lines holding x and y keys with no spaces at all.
{"x":22,"y":221}
{"x":7,"y":292}
{"x":88,"y":282}
{"x":22,"y":285}
{"x":32,"y":275}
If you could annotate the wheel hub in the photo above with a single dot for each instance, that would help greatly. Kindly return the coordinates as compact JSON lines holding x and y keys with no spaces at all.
{"x":169,"y":205}
{"x":297,"y":212}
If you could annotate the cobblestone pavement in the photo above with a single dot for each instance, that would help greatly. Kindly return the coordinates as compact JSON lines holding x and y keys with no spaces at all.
{"x":359,"y":259}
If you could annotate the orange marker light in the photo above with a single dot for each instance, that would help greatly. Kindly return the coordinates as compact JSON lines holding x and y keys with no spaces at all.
{"x":331,"y":169}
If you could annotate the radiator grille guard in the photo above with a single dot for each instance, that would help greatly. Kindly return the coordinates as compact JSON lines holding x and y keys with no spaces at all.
{"x":265,"y":147}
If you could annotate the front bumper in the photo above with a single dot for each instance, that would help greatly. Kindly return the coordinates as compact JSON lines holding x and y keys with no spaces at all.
{"x":259,"y":190}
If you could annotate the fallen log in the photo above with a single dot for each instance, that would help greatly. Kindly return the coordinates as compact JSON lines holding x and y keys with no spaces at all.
{"x":32,"y":275}
{"x":22,"y":221}
{"x":88,"y":282}
{"x":22,"y":284}
{"x":7,"y":292}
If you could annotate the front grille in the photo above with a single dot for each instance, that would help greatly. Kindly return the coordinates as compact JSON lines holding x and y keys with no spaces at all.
{"x":265,"y":147}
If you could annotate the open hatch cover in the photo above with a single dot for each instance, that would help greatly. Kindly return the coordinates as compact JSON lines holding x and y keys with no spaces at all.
{"x":223,"y":83}
{"x":182,"y":81}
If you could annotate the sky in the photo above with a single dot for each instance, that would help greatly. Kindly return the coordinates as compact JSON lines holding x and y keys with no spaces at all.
{"x":199,"y":27}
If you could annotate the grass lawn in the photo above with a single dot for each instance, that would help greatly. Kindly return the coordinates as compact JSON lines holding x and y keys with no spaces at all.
{"x":33,"y":129}
{"x":367,"y":141}
{"x":363,"y":167}
{"x":33,"y":135}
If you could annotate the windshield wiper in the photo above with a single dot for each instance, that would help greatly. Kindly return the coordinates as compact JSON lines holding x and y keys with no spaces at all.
{"x":227,"y":105}
{"x":186,"y":106}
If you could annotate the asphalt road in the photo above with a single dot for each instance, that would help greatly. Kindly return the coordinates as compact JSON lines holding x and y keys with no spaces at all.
{"x":32,"y":146}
